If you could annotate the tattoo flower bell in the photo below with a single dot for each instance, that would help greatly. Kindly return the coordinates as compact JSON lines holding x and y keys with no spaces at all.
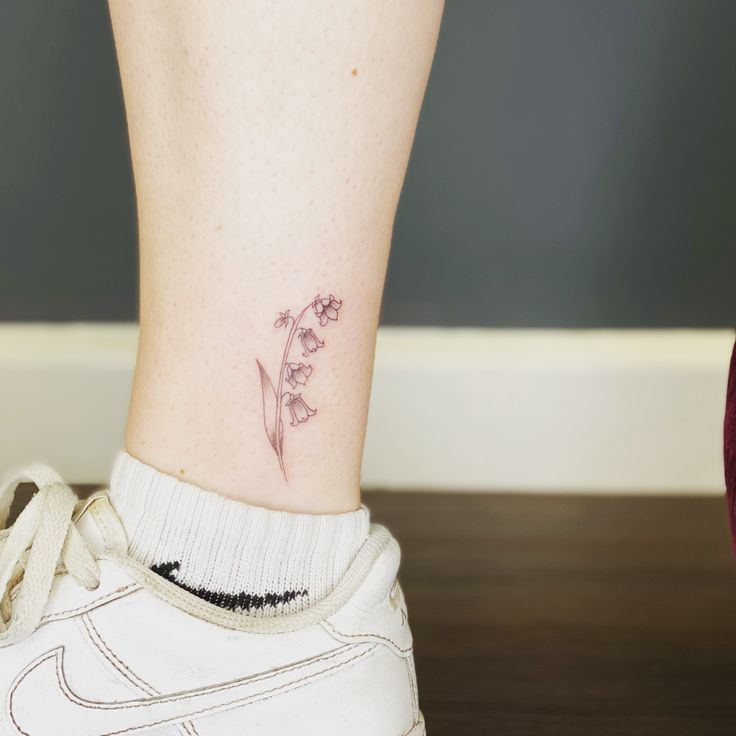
{"x":326,"y":309}
{"x":310,"y":342}
{"x":298,"y":408}
{"x":297,"y":373}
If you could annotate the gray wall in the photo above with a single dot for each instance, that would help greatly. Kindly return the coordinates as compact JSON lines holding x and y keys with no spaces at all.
{"x":574,"y":166}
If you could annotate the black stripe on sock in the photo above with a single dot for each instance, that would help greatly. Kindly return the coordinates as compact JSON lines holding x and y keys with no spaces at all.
{"x":230,"y":601}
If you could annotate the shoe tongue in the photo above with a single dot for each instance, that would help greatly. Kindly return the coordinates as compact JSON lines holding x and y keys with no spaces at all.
{"x":100,"y":526}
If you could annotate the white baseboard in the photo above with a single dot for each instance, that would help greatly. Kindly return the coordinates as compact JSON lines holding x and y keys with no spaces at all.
{"x":466,"y":409}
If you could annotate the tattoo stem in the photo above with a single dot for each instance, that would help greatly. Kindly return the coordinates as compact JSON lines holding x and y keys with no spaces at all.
{"x":279,"y":389}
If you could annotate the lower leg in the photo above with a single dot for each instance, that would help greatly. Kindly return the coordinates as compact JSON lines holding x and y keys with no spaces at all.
{"x":269,"y":144}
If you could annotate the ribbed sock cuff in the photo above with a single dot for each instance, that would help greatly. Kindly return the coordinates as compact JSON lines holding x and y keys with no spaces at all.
{"x":238,"y":556}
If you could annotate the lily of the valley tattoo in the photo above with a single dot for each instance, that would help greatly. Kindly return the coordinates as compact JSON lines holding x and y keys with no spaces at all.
{"x":294,"y":374}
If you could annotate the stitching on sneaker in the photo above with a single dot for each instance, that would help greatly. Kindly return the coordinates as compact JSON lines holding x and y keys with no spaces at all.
{"x":124,"y":668}
{"x":97,"y":603}
{"x":359,"y":635}
{"x":264,"y":695}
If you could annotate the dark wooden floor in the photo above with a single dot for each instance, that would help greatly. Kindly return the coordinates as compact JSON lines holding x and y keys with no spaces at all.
{"x":569,"y":615}
{"x":572,"y":616}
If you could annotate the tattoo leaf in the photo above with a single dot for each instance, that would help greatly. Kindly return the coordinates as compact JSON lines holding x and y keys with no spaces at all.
{"x":270,"y":403}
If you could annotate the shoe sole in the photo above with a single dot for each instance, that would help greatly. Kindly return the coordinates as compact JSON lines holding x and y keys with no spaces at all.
{"x":418,"y":729}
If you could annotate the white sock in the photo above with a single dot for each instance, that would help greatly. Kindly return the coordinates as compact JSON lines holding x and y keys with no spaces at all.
{"x":237,"y":556}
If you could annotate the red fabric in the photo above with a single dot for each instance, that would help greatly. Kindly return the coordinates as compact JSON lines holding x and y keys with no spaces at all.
{"x":729,"y":446}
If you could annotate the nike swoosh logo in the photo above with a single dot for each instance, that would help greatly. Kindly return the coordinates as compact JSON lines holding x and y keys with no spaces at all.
{"x":241,"y":602}
{"x":41,"y":697}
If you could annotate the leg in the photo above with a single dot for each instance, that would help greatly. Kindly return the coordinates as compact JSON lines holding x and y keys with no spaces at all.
{"x":269,"y":143}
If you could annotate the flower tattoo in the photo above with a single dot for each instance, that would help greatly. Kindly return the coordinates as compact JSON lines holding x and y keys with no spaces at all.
{"x":297,"y":373}
{"x":326,"y":309}
{"x":300,"y":412}
{"x":277,"y":398}
{"x":283,"y":320}
{"x":310,"y":342}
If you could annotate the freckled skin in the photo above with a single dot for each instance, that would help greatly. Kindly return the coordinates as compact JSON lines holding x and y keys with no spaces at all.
{"x":265,"y":175}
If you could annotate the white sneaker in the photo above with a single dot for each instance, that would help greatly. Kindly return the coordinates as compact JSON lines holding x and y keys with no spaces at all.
{"x":94,"y":644}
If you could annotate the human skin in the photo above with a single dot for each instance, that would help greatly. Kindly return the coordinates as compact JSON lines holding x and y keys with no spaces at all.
{"x":269,"y":143}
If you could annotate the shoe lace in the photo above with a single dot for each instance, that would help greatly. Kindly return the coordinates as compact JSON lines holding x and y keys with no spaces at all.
{"x":43,"y":542}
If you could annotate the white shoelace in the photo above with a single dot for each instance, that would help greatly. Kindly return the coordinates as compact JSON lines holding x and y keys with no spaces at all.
{"x":41,"y":543}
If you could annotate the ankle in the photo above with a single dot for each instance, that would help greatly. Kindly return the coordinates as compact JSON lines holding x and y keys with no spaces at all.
{"x":230,"y":553}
